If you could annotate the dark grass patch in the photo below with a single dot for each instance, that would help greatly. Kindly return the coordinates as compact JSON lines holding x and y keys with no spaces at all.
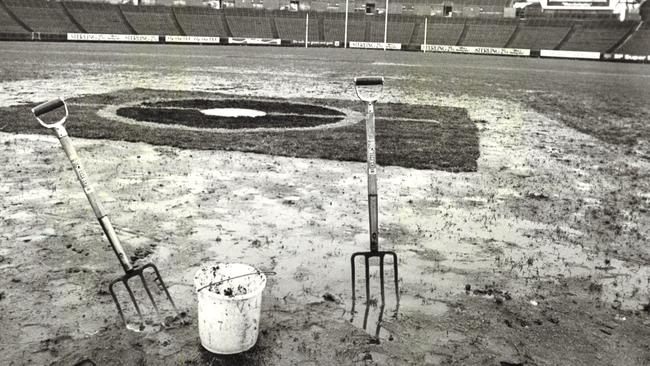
{"x":262,"y":105}
{"x":450,"y":145}
{"x":610,"y":118}
{"x":194,"y":118}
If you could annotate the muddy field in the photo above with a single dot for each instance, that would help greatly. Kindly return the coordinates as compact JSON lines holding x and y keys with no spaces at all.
{"x":538,"y":257}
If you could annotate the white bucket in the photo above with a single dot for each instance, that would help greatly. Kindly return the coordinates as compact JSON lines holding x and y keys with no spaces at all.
{"x":229,"y":313}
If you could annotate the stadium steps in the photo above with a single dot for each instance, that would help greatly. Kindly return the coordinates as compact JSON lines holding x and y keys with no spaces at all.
{"x":638,"y":44}
{"x":566,"y":38}
{"x":513,"y":36}
{"x":176,"y":23}
{"x":321,"y":29}
{"x":539,"y":35}
{"x":463,"y":34}
{"x":200,"y":22}
{"x":42,"y":16}
{"x":367,"y":33}
{"x":598,"y":36}
{"x":414,"y":34}
{"x":151,"y":19}
{"x":618,"y":45}
{"x":100,"y":18}
{"x":125,"y":21}
{"x":226,"y":26}
{"x":274,"y":28}
{"x":72,"y":18}
{"x":13,"y":17}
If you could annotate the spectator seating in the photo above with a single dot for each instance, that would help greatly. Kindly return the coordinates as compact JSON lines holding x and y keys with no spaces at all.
{"x":488,"y":35}
{"x":398,"y":32}
{"x":98,"y":17}
{"x":540,"y":38}
{"x":639,"y":43}
{"x":249,"y":26}
{"x":42,"y":16}
{"x":440,"y":33}
{"x":294,"y":28}
{"x":334,"y":30}
{"x":151,"y":19}
{"x":599,"y":36}
{"x":8,"y":24}
{"x":201,"y":22}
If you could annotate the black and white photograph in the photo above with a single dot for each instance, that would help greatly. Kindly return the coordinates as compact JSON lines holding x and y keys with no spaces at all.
{"x":325,"y":182}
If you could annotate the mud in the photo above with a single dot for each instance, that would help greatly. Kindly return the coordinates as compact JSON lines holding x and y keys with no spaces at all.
{"x":538,"y":258}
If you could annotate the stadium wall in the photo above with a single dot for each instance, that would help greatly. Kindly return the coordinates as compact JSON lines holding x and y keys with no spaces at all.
{"x":405,"y":32}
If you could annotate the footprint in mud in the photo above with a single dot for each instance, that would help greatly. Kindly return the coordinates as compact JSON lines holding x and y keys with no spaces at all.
{"x":143,"y":252}
{"x":77,"y":250}
{"x":301,"y":274}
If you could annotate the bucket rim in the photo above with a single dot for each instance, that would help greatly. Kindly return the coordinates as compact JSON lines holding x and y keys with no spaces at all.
{"x":245,"y":296}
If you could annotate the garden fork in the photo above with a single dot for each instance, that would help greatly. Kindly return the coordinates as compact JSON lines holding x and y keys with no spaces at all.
{"x":130,"y":270}
{"x":364,"y":87}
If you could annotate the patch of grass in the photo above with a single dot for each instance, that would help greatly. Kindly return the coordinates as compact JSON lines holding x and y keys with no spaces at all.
{"x":610,"y":118}
{"x":263,"y":105}
{"x":451,"y":144}
{"x":194,"y":118}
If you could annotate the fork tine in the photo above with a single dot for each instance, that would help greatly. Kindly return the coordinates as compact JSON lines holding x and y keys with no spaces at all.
{"x":394,"y":255}
{"x":381,"y":278}
{"x":117,"y":303}
{"x":367,"y":279}
{"x":162,"y":284}
{"x":135,"y":302}
{"x":146,"y":289}
{"x":353,"y":281}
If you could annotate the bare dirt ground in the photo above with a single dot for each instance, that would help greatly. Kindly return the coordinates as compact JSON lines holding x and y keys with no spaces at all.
{"x":537,"y":258}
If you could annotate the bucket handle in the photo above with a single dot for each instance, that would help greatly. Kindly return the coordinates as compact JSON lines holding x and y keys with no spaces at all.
{"x":232,"y":278}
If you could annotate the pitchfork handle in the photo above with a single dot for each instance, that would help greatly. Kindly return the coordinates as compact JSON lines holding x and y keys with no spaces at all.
{"x":47,"y":107}
{"x":82,"y":176}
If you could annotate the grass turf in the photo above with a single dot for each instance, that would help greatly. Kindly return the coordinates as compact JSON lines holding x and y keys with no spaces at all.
{"x":450,"y":144}
{"x":194,"y":118}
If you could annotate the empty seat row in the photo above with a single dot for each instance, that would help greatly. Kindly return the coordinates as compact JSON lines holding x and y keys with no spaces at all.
{"x":398,"y":32}
{"x":440,"y":33}
{"x":249,"y":26}
{"x":150,"y":19}
{"x":42,"y":16}
{"x":294,"y":29}
{"x":98,"y":17}
{"x":334,"y":30}
{"x":488,"y":35}
{"x":638,"y":44}
{"x":8,"y":24}
{"x":594,"y":39}
{"x":201,"y":22}
{"x":541,"y":38}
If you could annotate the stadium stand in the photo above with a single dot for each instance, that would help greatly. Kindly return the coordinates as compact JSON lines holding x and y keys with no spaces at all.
{"x":151,"y":19}
{"x":398,"y":31}
{"x":639,"y":43}
{"x":294,"y":28}
{"x":8,"y":24}
{"x":487,"y":35}
{"x":334,"y":29}
{"x":539,"y":37}
{"x":98,"y":17}
{"x":444,"y":33}
{"x":42,"y":16}
{"x":249,"y":26}
{"x":599,"y":36}
{"x":572,"y":30}
{"x":201,"y":21}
